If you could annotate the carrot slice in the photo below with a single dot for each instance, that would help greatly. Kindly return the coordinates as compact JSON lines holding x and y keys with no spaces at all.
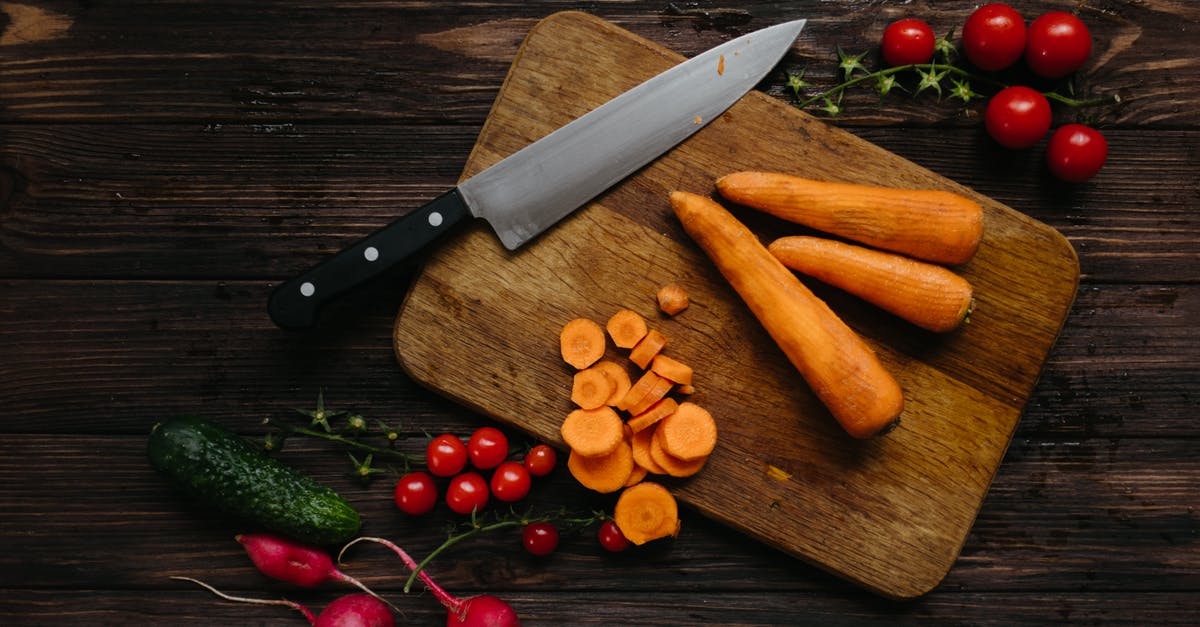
{"x":645,"y":512}
{"x":593,"y":432}
{"x":590,"y":388}
{"x":658,"y":391}
{"x":639,"y":473}
{"x":663,"y":408}
{"x":689,"y":433}
{"x":670,"y":464}
{"x":582,"y":343}
{"x":615,"y":373}
{"x":672,"y":369}
{"x":647,"y":348}
{"x":638,"y":390}
{"x":606,"y":473}
{"x":672,"y":299}
{"x":686,"y":389}
{"x":626,"y":328}
{"x":640,"y":443}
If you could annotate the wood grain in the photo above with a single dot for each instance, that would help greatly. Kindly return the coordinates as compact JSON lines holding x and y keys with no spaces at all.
{"x":479,"y":326}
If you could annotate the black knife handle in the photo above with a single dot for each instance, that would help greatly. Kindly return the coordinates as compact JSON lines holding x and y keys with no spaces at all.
{"x":295,"y":303}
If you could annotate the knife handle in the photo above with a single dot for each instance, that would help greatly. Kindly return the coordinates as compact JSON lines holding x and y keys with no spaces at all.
{"x":295,"y":303}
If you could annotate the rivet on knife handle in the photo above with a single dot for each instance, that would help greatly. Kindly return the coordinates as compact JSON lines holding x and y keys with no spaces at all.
{"x":294,"y":304}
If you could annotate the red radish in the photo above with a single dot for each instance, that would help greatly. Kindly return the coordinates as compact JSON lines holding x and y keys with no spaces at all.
{"x":351,"y":610}
{"x":294,"y":562}
{"x":481,"y":611}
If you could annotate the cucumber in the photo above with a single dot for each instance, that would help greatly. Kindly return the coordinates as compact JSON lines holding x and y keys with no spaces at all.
{"x":215,"y":466}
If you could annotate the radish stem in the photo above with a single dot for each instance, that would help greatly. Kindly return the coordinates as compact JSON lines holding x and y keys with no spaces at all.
{"x":229,"y":597}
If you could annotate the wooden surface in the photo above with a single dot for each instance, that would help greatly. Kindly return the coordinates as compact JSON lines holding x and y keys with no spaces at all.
{"x":162,"y":165}
{"x":480,"y":326}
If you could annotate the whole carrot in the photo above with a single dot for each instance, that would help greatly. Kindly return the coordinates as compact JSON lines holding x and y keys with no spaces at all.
{"x":838,"y":365}
{"x":933,"y":225}
{"x":927,"y":295}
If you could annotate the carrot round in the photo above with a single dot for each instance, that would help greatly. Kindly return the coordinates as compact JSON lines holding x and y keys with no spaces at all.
{"x":593,"y":432}
{"x":689,"y":433}
{"x":604,"y":473}
{"x":591,"y":388}
{"x":645,"y":512}
{"x":656,"y":412}
{"x":933,"y":225}
{"x":626,"y":328}
{"x":670,"y":464}
{"x":647,"y":348}
{"x":672,"y":299}
{"x":640,"y":442}
{"x":838,"y":365}
{"x":927,"y":295}
{"x":638,"y":391}
{"x":582,"y":343}
{"x":672,"y":369}
{"x":617,"y":376}
{"x":639,"y":473}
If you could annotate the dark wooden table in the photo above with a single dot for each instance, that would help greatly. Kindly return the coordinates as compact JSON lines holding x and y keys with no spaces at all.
{"x":163,"y":164}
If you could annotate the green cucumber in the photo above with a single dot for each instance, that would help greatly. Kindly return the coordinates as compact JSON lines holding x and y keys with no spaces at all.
{"x":215,"y":466}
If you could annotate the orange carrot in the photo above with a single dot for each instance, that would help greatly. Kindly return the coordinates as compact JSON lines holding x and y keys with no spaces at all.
{"x":640,"y":442}
{"x":593,"y":432}
{"x":934,"y":225}
{"x":582,"y":343}
{"x":626,"y":328}
{"x":673,"y":466}
{"x":645,"y":512}
{"x":927,"y":295}
{"x":647,"y":348}
{"x":689,"y":433}
{"x":672,"y":299}
{"x":686,"y":389}
{"x":604,"y":474}
{"x":619,"y":378}
{"x":672,"y":369}
{"x":656,"y":412}
{"x":591,"y":388}
{"x":838,"y":365}
{"x":638,"y":390}
{"x":639,"y":473}
{"x":659,"y":390}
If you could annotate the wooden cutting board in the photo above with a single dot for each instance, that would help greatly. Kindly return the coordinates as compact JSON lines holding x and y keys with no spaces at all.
{"x":480,"y":325}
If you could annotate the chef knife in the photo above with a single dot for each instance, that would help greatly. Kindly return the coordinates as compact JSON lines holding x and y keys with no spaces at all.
{"x":528,"y":191}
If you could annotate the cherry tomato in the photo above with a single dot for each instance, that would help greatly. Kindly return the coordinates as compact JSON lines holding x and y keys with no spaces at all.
{"x":1017,"y":117}
{"x":540,"y":460}
{"x":416,"y":493}
{"x":993,"y":37}
{"x":540,"y":538}
{"x":1058,"y":44}
{"x":906,"y":42}
{"x":1075,"y":153}
{"x":487,"y":447}
{"x":611,"y":538}
{"x":467,"y":492}
{"x":510,"y":482}
{"x":446,"y":455}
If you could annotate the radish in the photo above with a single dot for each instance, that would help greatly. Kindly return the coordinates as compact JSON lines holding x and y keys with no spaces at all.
{"x":351,"y":610}
{"x":480,"y":611}
{"x":295,"y":562}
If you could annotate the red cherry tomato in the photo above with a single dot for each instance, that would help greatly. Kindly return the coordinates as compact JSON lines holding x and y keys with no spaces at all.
{"x":611,"y":538}
{"x":446,"y":455}
{"x":487,"y":447}
{"x":467,"y":492}
{"x":906,"y":42}
{"x":993,"y":37}
{"x":1058,"y":44}
{"x":416,"y":493}
{"x":540,"y":538}
{"x":510,"y":482}
{"x":1075,"y":153}
{"x":1017,"y":117}
{"x":540,"y":460}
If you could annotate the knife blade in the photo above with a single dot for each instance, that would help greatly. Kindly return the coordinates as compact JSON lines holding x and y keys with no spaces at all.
{"x":535,"y":187}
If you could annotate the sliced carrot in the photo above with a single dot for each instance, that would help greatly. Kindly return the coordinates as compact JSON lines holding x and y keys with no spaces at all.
{"x":925,"y":294}
{"x":670,"y":464}
{"x":593,"y":432}
{"x":647,"y":348}
{"x":672,"y":299}
{"x":606,"y":473}
{"x":656,"y":412}
{"x":689,"y":433}
{"x":590,"y":388}
{"x":686,"y":389}
{"x":645,"y":512}
{"x":638,"y":390}
{"x":672,"y":369}
{"x":662,"y":386}
{"x":640,"y":443}
{"x":840,"y":367}
{"x":626,"y":328}
{"x":619,"y":378}
{"x":934,"y":225}
{"x":639,"y":473}
{"x":582,"y":343}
